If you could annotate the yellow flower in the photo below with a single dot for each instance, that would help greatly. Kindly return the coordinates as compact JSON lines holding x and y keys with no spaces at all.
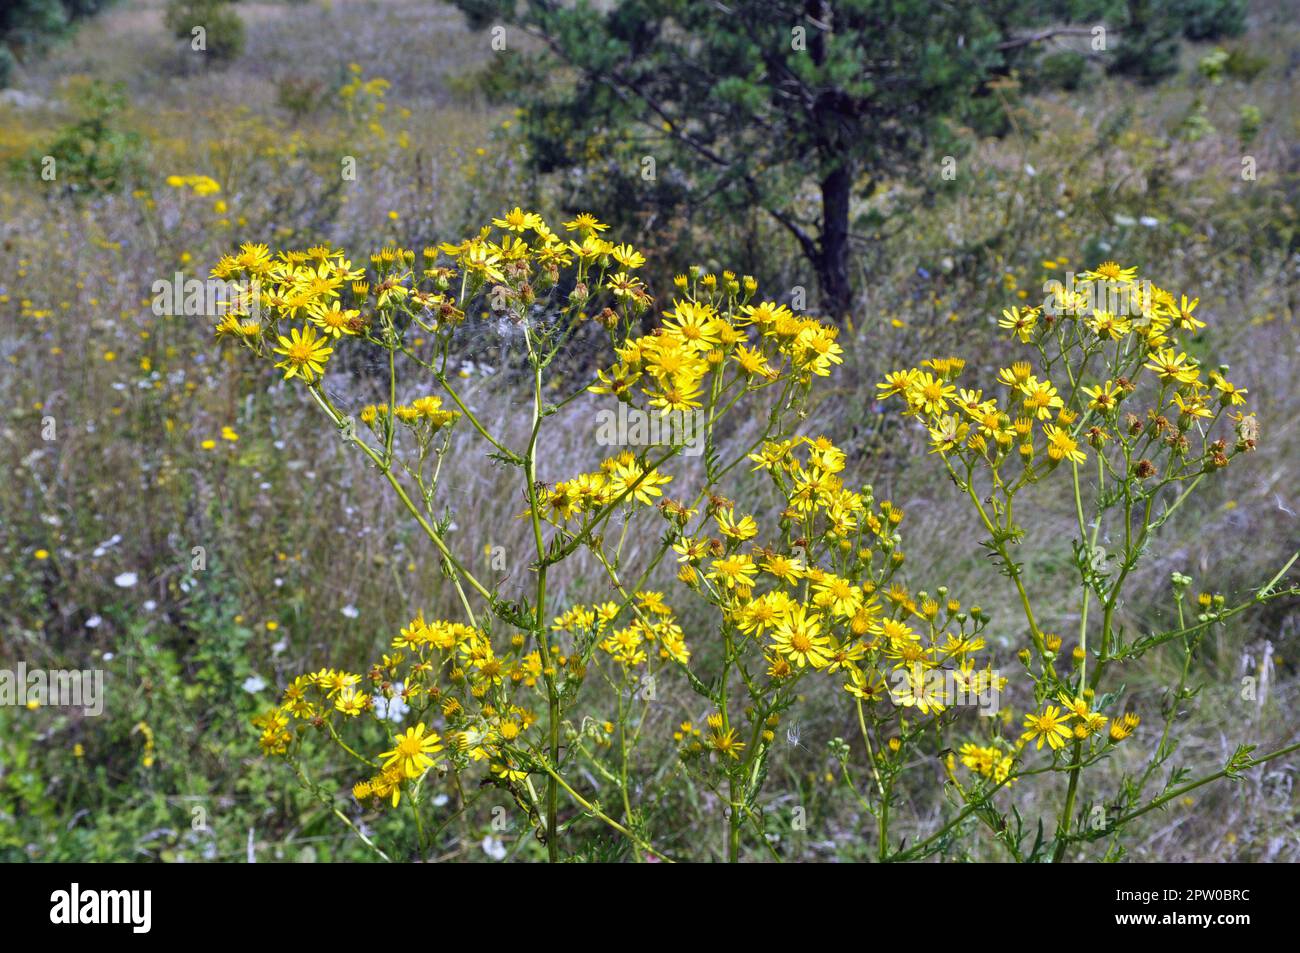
{"x":304,"y":353}
{"x":798,"y":638}
{"x":335,"y":321}
{"x":1104,"y":397}
{"x":584,"y":223}
{"x":733,"y":571}
{"x":1020,"y":322}
{"x":1040,"y":397}
{"x":517,"y":220}
{"x":1050,"y":726}
{"x":1061,"y":446}
{"x":729,"y":526}
{"x":1110,"y":271}
{"x":726,"y":743}
{"x":411,"y":750}
{"x":1170,"y":367}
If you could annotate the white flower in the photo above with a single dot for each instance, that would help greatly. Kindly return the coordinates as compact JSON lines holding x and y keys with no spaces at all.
{"x":494,"y":848}
{"x":106,"y":545}
{"x":126,"y":580}
{"x":1147,"y":221}
{"x":254,"y":684}
{"x":350,"y":611}
{"x":93,"y":622}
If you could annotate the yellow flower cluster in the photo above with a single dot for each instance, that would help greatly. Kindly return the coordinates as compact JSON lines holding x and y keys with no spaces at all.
{"x":847,"y":615}
{"x":653,"y":630}
{"x":441,"y":669}
{"x":712,"y":326}
{"x":1078,"y":723}
{"x":620,"y":479}
{"x":198,"y":184}
{"x":426,"y":413}
{"x":1135,"y":341}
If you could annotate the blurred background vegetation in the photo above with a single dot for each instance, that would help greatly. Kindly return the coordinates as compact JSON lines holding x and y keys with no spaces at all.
{"x":1063,"y":155}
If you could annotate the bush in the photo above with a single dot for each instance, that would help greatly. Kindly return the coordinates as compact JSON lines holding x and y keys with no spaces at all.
{"x":1065,"y":70}
{"x":1210,"y":19}
{"x":223,"y":32}
{"x":94,"y":154}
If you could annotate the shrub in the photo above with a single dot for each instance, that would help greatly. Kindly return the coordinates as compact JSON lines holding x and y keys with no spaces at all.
{"x":1203,"y":20}
{"x":222,"y":34}
{"x":30,"y":27}
{"x":1065,"y":70}
{"x":94,"y":153}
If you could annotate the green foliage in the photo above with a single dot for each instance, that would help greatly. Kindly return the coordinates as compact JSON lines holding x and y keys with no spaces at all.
{"x":223,"y":29}
{"x":1244,"y":65}
{"x":676,"y":110}
{"x":30,"y":26}
{"x":1065,"y":70}
{"x":1210,"y":19}
{"x":94,"y":153}
{"x":299,"y":96}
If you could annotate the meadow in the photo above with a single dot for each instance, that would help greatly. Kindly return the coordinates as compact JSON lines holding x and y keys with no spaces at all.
{"x":189,"y":522}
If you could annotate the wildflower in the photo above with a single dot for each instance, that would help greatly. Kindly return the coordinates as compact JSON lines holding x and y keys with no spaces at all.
{"x":1172,"y":368}
{"x":1186,"y":320}
{"x":1049,"y":727}
{"x":585,"y":223}
{"x":336,"y":321}
{"x":1107,"y":326}
{"x":987,"y":762}
{"x":1104,"y":397}
{"x":411,"y":751}
{"x":798,"y":638}
{"x":733,"y":571}
{"x":1061,"y":446}
{"x":726,"y":743}
{"x":1021,"y":322}
{"x":742,"y":529}
{"x":929,"y":394}
{"x":304,"y":354}
{"x":517,"y":220}
{"x":1110,"y":271}
{"x":1123,"y":726}
{"x":1229,"y":393}
{"x":1040,"y":397}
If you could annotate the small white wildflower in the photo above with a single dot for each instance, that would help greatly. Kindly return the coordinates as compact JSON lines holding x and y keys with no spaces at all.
{"x":494,"y":848}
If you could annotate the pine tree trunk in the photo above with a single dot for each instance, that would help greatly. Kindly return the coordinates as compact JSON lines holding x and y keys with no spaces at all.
{"x":833,"y":266}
